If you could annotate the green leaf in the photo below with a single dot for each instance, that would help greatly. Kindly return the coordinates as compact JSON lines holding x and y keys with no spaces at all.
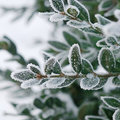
{"x":84,"y":14}
{"x":106,"y":59}
{"x":89,"y":82}
{"x":107,"y":112}
{"x":57,"y":5}
{"x":58,"y":45}
{"x":49,"y":65}
{"x":111,"y":40}
{"x":75,"y":58}
{"x":101,"y":43}
{"x":102,"y":20}
{"x":68,"y":81}
{"x":70,"y":39}
{"x":23,"y":75}
{"x":49,"y":102}
{"x":72,"y":11}
{"x":116,"y":81}
{"x":87,"y":108}
{"x":33,"y":68}
{"x":86,"y":67}
{"x":57,"y":68}
{"x":111,"y":102}
{"x":93,"y":38}
{"x":116,"y":115}
{"x":38,"y":103}
{"x":101,"y":84}
{"x":105,"y":5}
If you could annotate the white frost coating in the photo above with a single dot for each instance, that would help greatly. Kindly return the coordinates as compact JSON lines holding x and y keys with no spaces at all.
{"x":100,"y":7}
{"x":82,"y":6}
{"x":17,"y":78}
{"x":108,"y":38}
{"x":46,"y":13}
{"x":35,"y":66}
{"x":117,"y":14}
{"x":112,"y":28}
{"x":90,"y":75}
{"x":72,"y":7}
{"x":54,"y":82}
{"x":70,"y":52}
{"x":109,"y":97}
{"x":98,"y":43}
{"x":51,"y":4}
{"x":89,"y":83}
{"x":97,"y":25}
{"x":57,"y":17}
{"x":30,"y":83}
{"x":91,"y":116}
{"x":99,"y":55}
{"x":116,"y":115}
{"x":78,"y":25}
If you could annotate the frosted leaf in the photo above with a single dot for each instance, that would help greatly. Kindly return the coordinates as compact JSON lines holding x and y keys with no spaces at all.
{"x":101,"y":43}
{"x":111,"y":40}
{"x":75,"y":58}
{"x":72,"y":11}
{"x":57,"y":5}
{"x":78,"y":25}
{"x":101,"y":84}
{"x":33,"y":68}
{"x":49,"y":65}
{"x":102,"y":20}
{"x":105,"y":5}
{"x":116,"y":115}
{"x":90,"y":117}
{"x":111,"y":102}
{"x":57,"y":68}
{"x":57,"y":17}
{"x":117,"y":14}
{"x":116,"y":81}
{"x":22,"y":75}
{"x":112,"y":29}
{"x":84,"y":14}
{"x":30,"y":83}
{"x":106,"y":59}
{"x":89,"y":83}
{"x":54,"y":82}
{"x":67,"y":82}
{"x":86,"y":67}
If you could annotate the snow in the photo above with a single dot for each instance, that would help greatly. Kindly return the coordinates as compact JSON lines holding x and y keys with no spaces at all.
{"x":25,"y":36}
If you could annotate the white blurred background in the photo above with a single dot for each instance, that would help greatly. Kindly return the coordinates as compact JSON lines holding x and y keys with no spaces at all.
{"x":24,"y":35}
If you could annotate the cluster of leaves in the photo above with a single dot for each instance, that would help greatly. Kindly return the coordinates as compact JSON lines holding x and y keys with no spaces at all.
{"x":91,"y":44}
